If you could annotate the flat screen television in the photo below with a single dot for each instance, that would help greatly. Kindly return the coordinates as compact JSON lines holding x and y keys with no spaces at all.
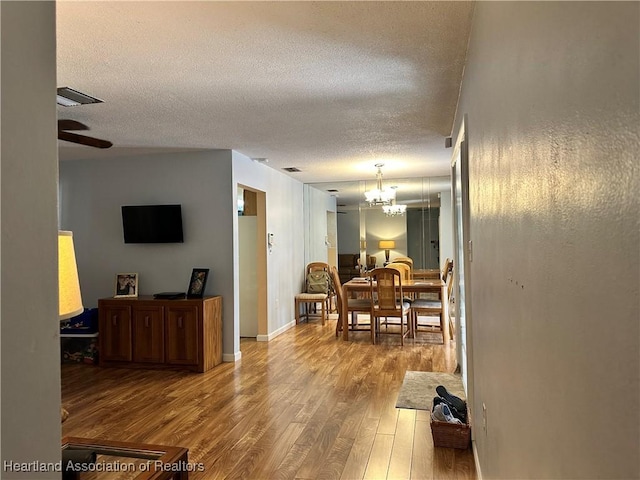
{"x":152,"y":223}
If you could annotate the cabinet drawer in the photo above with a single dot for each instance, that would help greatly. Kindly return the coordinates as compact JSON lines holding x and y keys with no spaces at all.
{"x":148,"y":334}
{"x":181,"y":335}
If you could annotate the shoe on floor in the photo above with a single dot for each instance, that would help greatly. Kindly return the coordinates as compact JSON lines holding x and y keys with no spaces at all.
{"x":462,"y":416}
{"x":452,"y":400}
{"x":441,"y":413}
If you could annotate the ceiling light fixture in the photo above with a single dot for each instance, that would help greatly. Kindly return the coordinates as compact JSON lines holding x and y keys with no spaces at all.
{"x":380,"y":196}
{"x":394,"y":210}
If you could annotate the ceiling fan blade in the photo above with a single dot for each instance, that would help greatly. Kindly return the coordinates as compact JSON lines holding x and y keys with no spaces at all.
{"x":83,"y":140}
{"x":66,"y":124}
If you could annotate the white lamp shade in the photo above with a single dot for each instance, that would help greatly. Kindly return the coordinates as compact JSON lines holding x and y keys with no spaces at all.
{"x":70,"y":299}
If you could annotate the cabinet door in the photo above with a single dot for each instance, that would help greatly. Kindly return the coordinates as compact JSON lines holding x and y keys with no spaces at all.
{"x":115,"y":333}
{"x":182,"y":342}
{"x":148,"y":335}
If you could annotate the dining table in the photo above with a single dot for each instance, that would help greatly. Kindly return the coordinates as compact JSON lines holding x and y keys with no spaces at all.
{"x":362,"y":285}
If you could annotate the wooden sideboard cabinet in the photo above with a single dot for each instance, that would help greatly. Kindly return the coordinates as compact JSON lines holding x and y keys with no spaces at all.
{"x":154,"y":333}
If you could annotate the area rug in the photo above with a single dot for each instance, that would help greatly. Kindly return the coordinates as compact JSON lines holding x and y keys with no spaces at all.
{"x":419,"y":388}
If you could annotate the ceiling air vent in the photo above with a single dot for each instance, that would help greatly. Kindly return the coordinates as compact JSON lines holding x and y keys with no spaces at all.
{"x":68,"y":97}
{"x":332,"y":190}
{"x":291,"y":169}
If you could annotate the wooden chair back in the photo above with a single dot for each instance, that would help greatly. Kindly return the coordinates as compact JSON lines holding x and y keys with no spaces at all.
{"x":337,"y":287}
{"x":316,"y":266}
{"x":405,"y":260}
{"x":386,"y":290}
{"x":446,"y":269}
{"x":403,"y":268}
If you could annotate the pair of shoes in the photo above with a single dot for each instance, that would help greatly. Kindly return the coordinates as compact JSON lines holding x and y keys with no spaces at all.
{"x":457,"y":406}
{"x":442,"y":413}
{"x":462,"y":416}
{"x":452,"y":400}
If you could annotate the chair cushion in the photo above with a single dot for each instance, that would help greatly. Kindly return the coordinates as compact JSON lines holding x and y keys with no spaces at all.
{"x":420,"y":303}
{"x":360,"y":303}
{"x":311,"y":296}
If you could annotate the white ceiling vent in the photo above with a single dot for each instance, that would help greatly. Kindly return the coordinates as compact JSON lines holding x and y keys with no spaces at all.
{"x":68,"y":97}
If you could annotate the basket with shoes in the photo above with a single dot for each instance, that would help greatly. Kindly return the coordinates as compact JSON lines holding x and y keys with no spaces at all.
{"x":450,"y":421}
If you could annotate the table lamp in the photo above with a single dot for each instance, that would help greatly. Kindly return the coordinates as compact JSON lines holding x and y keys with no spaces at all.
{"x":69,"y":297}
{"x":386,"y":245}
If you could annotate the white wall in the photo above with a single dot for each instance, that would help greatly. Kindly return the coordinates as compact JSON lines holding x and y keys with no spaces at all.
{"x":317,"y":204}
{"x":285,"y":219}
{"x":446,"y":228}
{"x":30,"y":346}
{"x":551,"y":93}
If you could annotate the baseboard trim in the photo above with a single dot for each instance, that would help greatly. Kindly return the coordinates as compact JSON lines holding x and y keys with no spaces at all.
{"x":231,"y":357}
{"x":476,"y":461}
{"x":280,"y":331}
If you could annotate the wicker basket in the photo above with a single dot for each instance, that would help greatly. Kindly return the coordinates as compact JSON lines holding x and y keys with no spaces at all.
{"x":450,"y":435}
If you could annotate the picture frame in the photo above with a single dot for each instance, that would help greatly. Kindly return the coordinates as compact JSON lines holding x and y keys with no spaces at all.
{"x":198,"y":282}
{"x":126,"y":285}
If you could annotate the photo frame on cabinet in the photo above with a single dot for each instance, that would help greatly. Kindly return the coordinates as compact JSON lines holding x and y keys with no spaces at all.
{"x":126,"y":285}
{"x":198,"y":282}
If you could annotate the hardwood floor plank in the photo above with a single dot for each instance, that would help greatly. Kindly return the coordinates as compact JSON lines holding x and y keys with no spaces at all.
{"x":334,"y":464}
{"x":422,"y":452}
{"x":360,"y":451}
{"x":378,"y":464}
{"x":278,"y":452}
{"x":305,"y":404}
{"x":402,"y":452}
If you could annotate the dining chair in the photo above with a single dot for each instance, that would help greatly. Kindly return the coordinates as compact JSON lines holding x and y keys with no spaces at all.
{"x":425,"y":307}
{"x":386,"y":292}
{"x":446,"y":268}
{"x":354,"y":306}
{"x":403,"y":268}
{"x":312,"y":299}
{"x":405,"y":260}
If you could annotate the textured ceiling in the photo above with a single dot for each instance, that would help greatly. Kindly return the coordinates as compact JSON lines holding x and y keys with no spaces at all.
{"x":329,"y":87}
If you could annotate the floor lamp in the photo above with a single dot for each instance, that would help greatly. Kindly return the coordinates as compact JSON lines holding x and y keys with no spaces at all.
{"x":70,"y":299}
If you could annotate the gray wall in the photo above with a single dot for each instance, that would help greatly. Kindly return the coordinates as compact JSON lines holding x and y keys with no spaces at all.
{"x":551,"y":93}
{"x":30,"y":346}
{"x":349,"y":231}
{"x":92,"y":192}
{"x":205,"y":184}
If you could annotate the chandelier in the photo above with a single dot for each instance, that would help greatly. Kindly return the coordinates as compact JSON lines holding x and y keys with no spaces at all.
{"x":380,"y":196}
{"x":394,"y":210}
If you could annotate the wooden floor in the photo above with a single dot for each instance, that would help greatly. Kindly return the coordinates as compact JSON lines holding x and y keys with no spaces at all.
{"x":303,"y":406}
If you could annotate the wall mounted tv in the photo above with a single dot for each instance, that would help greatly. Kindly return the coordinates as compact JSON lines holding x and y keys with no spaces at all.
{"x":152,"y":223}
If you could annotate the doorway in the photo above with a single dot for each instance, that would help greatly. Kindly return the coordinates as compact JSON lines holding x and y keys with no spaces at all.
{"x":252,"y":262}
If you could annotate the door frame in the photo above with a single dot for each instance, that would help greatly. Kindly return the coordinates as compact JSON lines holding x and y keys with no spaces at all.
{"x":261,"y":261}
{"x":462,"y":241}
